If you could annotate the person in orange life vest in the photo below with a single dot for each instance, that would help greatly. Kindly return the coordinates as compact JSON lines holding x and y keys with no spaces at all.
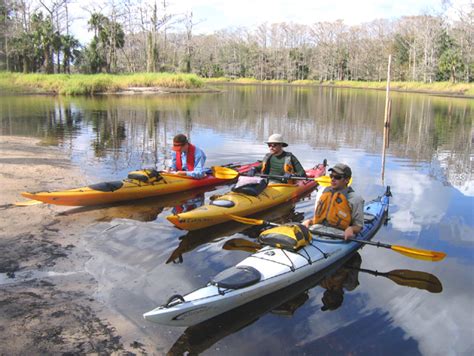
{"x":339,"y":206}
{"x":187,"y":159}
{"x":279,"y":162}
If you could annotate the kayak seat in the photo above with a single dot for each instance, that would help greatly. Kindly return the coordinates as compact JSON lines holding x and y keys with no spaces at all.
{"x":250,"y":185}
{"x":107,"y":186}
{"x":223,"y":203}
{"x":237,"y":277}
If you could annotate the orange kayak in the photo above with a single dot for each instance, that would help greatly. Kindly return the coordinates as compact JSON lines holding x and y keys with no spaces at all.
{"x":138,"y":185}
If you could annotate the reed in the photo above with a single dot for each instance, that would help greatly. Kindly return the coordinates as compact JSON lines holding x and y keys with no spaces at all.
{"x":89,"y":84}
{"x":447,"y":88}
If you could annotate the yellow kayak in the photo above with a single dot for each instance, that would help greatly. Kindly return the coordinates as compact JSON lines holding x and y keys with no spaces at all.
{"x":244,"y":205}
{"x":138,"y":185}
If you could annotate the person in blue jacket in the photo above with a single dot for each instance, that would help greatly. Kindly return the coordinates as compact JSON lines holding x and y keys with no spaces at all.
{"x":187,"y":159}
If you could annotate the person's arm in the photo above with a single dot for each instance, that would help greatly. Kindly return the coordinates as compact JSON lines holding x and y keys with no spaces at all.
{"x":299,"y":170}
{"x":199,"y":171}
{"x":357,"y":221}
{"x":173,"y":161}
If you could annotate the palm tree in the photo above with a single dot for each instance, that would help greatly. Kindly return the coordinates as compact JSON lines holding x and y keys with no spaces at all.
{"x":70,"y":46}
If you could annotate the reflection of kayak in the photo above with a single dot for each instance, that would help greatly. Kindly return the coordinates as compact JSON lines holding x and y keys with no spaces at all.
{"x":243,"y":205}
{"x":264,"y":272}
{"x":138,"y":185}
{"x":196,"y":238}
{"x":146,"y":209}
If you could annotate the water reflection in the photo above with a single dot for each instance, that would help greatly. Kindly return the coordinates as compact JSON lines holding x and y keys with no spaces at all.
{"x":336,"y":280}
{"x":193,"y":239}
{"x":429,"y":167}
{"x":134,"y":131}
{"x":146,"y":209}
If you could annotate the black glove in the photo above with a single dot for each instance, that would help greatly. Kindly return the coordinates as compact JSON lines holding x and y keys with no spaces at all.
{"x":252,"y":172}
{"x":287,"y":176}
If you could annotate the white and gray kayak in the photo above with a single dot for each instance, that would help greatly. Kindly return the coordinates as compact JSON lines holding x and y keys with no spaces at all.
{"x":266,"y":271}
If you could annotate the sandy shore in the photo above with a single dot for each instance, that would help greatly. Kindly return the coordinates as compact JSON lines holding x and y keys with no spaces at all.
{"x":47,"y":303}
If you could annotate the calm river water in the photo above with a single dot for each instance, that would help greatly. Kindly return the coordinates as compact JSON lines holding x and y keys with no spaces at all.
{"x":428,"y":166}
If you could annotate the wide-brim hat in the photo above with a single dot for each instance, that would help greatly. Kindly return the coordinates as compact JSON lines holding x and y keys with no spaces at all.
{"x":342,"y":169}
{"x":276,"y":138}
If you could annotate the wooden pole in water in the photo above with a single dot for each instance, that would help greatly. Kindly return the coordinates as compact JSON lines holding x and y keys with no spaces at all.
{"x":386,"y":126}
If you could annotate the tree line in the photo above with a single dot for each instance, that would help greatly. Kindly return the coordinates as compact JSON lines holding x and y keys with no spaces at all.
{"x":144,"y":36}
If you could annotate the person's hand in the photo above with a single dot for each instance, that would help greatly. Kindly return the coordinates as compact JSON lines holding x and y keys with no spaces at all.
{"x":349,"y":233}
{"x":252,"y":172}
{"x":307,"y":223}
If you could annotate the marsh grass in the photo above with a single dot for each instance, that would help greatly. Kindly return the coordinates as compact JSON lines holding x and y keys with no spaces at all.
{"x":83,"y":84}
{"x":89,"y":84}
{"x":466,"y":89}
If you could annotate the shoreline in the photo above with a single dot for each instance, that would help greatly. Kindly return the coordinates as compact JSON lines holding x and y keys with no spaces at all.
{"x":210,"y":90}
{"x":48,"y":298}
{"x":335,"y":86}
{"x":182,"y":83}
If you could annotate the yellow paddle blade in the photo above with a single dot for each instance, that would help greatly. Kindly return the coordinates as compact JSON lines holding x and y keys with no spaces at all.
{"x":241,"y":244}
{"x":224,"y":172}
{"x":248,"y":221}
{"x":27,"y":203}
{"x":415,"y":279}
{"x":325,"y":181}
{"x":419,"y":254}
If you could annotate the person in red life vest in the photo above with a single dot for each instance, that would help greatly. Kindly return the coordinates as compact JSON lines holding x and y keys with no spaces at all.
{"x":279,"y":162}
{"x":187,"y":159}
{"x":339,"y":206}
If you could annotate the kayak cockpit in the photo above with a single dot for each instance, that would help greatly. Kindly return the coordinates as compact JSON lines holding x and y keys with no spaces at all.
{"x":107,"y":186}
{"x":237,"y":277}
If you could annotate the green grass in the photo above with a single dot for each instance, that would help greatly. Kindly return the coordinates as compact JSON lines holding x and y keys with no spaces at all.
{"x":89,"y":84}
{"x":83,"y":84}
{"x":436,"y":87}
{"x":448,"y":88}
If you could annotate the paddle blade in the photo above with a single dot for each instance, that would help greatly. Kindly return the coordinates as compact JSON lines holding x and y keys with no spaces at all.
{"x":242,"y":245}
{"x":248,"y":221}
{"x":416,"y":279}
{"x":224,"y":172}
{"x":419,"y":254}
{"x":27,"y":203}
{"x":325,"y":181}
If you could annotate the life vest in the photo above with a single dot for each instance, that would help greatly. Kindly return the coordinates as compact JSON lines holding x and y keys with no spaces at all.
{"x":333,"y":209}
{"x":287,"y":165}
{"x":189,"y":159}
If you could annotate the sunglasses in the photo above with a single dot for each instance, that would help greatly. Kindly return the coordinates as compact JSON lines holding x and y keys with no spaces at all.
{"x":178,"y":144}
{"x":336,"y":176}
{"x":273,"y":144}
